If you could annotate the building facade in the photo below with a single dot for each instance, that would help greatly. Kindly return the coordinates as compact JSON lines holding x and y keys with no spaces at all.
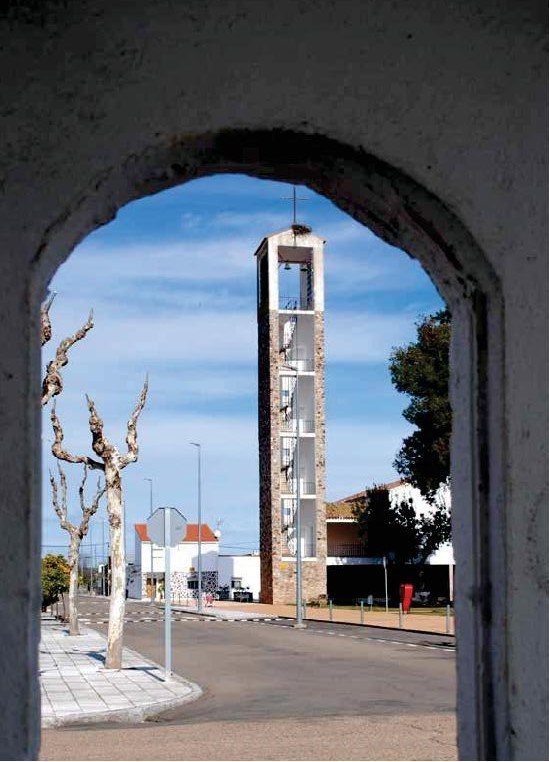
{"x":290,"y":310}
{"x":353,"y":574}
{"x":219,"y":571}
{"x":148,"y":576}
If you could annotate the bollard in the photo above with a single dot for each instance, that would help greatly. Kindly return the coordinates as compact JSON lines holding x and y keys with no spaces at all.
{"x":304,"y":606}
{"x":400,"y":615}
{"x":448,"y":619}
{"x":331,"y":611}
{"x":361,"y":612}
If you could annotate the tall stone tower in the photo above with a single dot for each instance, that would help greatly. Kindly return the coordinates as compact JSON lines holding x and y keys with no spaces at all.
{"x":290,"y":315}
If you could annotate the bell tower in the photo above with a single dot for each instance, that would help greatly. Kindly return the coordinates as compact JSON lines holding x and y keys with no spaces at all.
{"x":290,"y":315}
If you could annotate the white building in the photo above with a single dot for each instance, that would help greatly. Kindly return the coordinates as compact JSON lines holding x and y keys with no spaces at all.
{"x":350,"y":572}
{"x":218,"y":571}
{"x":345,"y":547}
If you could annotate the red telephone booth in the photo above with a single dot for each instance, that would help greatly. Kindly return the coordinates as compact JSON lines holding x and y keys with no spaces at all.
{"x":406,"y":594}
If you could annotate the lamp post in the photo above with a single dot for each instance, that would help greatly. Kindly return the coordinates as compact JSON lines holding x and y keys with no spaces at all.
{"x":199,"y":591}
{"x":386,"y":588}
{"x":148,"y":479}
{"x":299,"y":624}
{"x":103,"y":557}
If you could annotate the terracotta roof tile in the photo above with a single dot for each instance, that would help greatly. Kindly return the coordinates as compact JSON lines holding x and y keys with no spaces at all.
{"x":360,"y":495}
{"x":339,"y":511}
{"x":191,"y":536}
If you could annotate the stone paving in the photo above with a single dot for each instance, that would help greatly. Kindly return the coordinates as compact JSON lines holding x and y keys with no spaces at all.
{"x":76,"y":687}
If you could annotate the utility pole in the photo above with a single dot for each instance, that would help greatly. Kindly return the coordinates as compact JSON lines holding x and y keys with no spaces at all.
{"x":298,"y":556}
{"x":103,"y":556}
{"x":148,"y":479}
{"x":199,"y":591}
{"x":91,"y":557}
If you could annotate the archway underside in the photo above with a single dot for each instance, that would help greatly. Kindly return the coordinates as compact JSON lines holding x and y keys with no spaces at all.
{"x":405,"y":215}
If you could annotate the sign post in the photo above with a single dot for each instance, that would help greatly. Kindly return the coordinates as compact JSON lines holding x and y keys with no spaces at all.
{"x":386,"y":591}
{"x":167,"y":527}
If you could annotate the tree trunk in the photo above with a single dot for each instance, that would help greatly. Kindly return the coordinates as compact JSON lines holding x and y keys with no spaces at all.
{"x":73,"y":588}
{"x":118,"y":569}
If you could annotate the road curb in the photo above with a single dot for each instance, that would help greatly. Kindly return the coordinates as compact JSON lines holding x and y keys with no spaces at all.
{"x":129,"y":714}
{"x":373,"y":626}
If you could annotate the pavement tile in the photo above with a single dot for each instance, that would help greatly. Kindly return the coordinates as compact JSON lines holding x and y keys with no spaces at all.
{"x":76,"y":686}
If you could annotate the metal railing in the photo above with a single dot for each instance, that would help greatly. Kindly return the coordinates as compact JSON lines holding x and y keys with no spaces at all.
{"x":289,"y":487}
{"x":297,"y":363}
{"x":307,"y":549}
{"x":290,"y":426}
{"x":296,"y":303}
{"x":347,"y":550}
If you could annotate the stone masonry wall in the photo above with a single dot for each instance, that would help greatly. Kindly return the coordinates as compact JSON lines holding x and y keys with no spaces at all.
{"x":269,"y":463}
{"x":283,"y":569}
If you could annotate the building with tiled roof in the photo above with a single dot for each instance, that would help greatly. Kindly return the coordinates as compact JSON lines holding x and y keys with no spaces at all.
{"x":234,"y":572}
{"x":190,"y":536}
{"x":351,"y":573}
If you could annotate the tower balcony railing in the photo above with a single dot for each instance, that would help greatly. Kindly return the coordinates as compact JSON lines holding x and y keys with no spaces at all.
{"x":347,"y":550}
{"x":289,"y":487}
{"x":297,"y":362}
{"x":290,"y":426}
{"x":296,"y":303}
{"x":307,"y":549}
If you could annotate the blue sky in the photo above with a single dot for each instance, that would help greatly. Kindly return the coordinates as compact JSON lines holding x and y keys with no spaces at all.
{"x":172,"y":284}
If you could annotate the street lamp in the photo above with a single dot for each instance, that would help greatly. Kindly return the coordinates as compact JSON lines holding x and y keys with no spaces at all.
{"x":199,"y":591}
{"x":298,"y":555}
{"x":148,"y":479}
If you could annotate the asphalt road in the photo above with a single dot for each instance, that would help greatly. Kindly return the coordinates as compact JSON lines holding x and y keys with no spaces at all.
{"x":257,"y":676}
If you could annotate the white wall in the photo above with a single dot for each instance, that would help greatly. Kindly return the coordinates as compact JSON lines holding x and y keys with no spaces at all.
{"x":246,"y":567}
{"x":183,"y":557}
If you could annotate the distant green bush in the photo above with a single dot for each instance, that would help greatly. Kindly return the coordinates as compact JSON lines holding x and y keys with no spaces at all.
{"x":55,"y":578}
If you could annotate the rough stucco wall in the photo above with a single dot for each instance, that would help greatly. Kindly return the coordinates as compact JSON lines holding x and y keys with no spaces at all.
{"x":453,"y":98}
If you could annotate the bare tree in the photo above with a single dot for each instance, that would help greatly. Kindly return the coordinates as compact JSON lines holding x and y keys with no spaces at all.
{"x":52,"y":385}
{"x":45,"y":322}
{"x":76,"y":533}
{"x":111,"y":463}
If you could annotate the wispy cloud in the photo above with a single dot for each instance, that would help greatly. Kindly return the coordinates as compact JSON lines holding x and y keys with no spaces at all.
{"x":172,"y":282}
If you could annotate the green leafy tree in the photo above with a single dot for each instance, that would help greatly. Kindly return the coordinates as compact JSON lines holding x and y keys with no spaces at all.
{"x":55,"y":578}
{"x":421,"y":370}
{"x":394,"y":530}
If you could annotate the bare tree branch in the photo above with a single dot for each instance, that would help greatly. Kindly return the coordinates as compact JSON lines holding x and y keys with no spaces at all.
{"x":61,"y":509}
{"x":59,"y":451}
{"x":89,"y":510}
{"x":131,"y":438}
{"x":76,"y":533}
{"x":53,"y":381}
{"x":45,"y":322}
{"x":100,"y":444}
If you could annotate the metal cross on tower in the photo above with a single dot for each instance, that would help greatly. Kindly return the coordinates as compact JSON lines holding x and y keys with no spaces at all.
{"x":294,"y":198}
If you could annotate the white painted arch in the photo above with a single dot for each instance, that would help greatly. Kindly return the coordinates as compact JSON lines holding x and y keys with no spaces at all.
{"x":407,"y":216}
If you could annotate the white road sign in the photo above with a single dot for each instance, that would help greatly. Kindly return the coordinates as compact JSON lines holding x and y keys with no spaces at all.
{"x":166,"y":530}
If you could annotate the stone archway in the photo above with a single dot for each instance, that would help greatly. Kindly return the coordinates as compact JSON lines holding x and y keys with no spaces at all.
{"x":405,"y":215}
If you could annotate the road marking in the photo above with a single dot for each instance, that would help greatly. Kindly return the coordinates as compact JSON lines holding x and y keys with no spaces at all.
{"x":280,"y":623}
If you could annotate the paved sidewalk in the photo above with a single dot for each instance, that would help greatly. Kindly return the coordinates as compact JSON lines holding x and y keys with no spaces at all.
{"x":76,"y":688}
{"x":429,"y":623}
